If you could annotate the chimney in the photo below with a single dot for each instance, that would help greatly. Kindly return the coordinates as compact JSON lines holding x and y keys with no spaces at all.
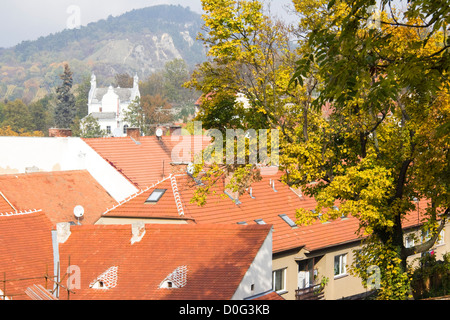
{"x":59,"y":133}
{"x":134,"y":133}
{"x":63,"y":231}
{"x":137,"y":231}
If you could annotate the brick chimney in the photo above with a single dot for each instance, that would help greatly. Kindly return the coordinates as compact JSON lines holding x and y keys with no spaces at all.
{"x":59,"y":133}
{"x":63,"y":231}
{"x":134,"y":133}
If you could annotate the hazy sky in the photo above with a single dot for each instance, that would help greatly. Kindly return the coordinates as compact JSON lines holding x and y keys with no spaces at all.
{"x":29,"y":19}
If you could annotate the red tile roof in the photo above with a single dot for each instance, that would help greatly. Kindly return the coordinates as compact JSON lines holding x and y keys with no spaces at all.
{"x":271,"y":295}
{"x":166,"y":207}
{"x":5,"y":205}
{"x":57,"y":193}
{"x":267,"y":205}
{"x":26,"y":251}
{"x":148,"y":161}
{"x":212,"y":259}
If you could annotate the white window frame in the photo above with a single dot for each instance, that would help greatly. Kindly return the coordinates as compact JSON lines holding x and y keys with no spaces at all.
{"x":441,"y":238}
{"x":342,"y":265}
{"x":409,"y":241}
{"x":283,"y":280}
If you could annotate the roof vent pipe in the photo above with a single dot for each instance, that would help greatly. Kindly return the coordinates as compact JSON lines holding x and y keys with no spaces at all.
{"x":251,"y":193}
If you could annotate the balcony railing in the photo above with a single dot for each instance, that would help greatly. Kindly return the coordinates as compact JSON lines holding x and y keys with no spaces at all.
{"x":314,"y":292}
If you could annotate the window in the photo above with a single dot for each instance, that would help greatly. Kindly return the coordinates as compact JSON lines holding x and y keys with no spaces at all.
{"x":108,"y":129}
{"x":288,"y":220}
{"x":242,"y":223}
{"x":279,"y":280}
{"x":340,"y":263}
{"x":440,"y":239}
{"x":260,"y":221}
{"x":125,"y":127}
{"x":155,"y":196}
{"x":409,"y":241}
{"x":426,"y":235}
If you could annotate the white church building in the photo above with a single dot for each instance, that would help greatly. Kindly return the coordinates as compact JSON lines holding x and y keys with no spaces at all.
{"x":108,"y":106}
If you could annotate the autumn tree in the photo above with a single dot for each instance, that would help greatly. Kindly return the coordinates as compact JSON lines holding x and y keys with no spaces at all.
{"x":169,"y":84}
{"x":147,"y":112}
{"x":384,"y":76}
{"x":123,"y":80}
{"x":243,"y":82}
{"x":65,"y":109}
{"x":249,"y":53}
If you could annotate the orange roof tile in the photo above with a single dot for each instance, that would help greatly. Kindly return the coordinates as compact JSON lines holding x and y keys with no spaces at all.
{"x":271,"y":295}
{"x":149,"y":160}
{"x":5,"y":205}
{"x":166,"y":207}
{"x":57,"y":193}
{"x":25,"y":250}
{"x":267,"y":205}
{"x":209,"y":261}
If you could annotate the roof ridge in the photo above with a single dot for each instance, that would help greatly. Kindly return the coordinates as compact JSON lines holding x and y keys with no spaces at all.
{"x":19,"y":213}
{"x":138,"y":193}
{"x":176,"y":195}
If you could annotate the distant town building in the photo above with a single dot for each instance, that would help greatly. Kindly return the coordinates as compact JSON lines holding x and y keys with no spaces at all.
{"x":108,"y":106}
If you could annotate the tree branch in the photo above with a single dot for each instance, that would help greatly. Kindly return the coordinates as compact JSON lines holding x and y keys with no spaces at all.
{"x":406,"y":252}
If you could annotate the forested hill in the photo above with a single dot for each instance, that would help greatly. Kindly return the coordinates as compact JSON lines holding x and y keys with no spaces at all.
{"x":140,"y":41}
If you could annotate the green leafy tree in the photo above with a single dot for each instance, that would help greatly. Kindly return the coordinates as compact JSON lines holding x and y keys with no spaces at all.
{"x":40,"y":116}
{"x":65,"y":110}
{"x":17,"y":116}
{"x":81,"y":97}
{"x":249,"y":53}
{"x":148,"y":112}
{"x":176,"y":73}
{"x":89,"y":127}
{"x":385,"y":76}
{"x":243,"y":83}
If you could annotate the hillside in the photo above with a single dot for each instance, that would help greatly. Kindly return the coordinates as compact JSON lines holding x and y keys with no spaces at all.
{"x":140,"y":41}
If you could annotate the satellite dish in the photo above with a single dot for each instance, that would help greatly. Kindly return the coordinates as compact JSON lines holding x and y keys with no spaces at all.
{"x":159,"y":132}
{"x":78,"y":212}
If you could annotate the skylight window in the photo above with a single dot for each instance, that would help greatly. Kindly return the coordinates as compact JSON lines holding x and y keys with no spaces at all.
{"x":260,"y":221}
{"x":288,"y":220}
{"x":242,"y":223}
{"x":155,"y":196}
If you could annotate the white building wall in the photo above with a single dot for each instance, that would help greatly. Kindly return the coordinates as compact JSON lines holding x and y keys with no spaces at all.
{"x":61,"y":154}
{"x":259,"y":274}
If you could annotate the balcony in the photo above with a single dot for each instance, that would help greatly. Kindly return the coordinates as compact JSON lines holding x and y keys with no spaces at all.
{"x":314,"y":292}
